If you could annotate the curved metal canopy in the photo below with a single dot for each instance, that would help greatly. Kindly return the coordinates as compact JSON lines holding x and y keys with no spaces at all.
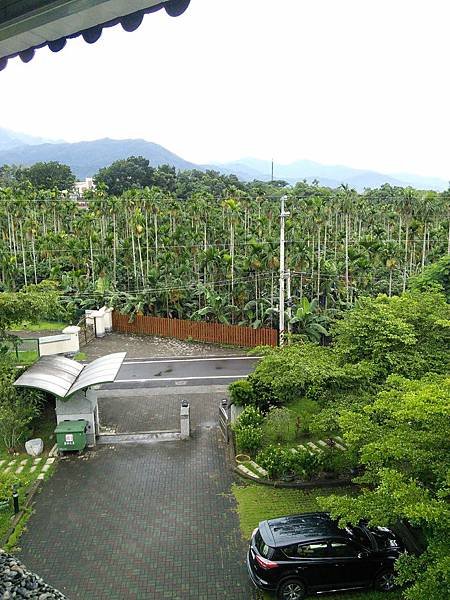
{"x":26,"y":25}
{"x":63,"y":377}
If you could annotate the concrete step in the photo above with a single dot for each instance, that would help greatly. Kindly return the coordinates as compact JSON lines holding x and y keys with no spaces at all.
{"x":141,"y":438}
{"x":246,"y":471}
{"x":260,"y":470}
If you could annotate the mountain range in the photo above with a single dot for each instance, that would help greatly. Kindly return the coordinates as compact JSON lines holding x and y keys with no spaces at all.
{"x":86,"y":158}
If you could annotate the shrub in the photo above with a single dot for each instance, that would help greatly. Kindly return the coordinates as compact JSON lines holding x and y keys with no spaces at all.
{"x":241,"y":393}
{"x":249,"y":439}
{"x":305,"y":464}
{"x":279,"y":425}
{"x":276,"y":460}
{"x":279,"y":462}
{"x":7,"y":481}
{"x":249,"y":417}
{"x":18,"y":408}
{"x":336,"y":461}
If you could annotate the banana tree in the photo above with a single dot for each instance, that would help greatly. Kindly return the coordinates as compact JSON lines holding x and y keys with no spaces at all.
{"x":308,"y":322}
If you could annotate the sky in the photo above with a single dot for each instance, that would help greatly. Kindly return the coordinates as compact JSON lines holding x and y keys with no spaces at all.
{"x":364,"y":83}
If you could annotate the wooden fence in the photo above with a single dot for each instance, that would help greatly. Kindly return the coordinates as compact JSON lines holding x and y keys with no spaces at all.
{"x":215,"y":333}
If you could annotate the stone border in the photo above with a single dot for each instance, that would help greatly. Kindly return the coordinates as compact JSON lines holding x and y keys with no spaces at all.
{"x":301,"y":485}
{"x":34,"y":488}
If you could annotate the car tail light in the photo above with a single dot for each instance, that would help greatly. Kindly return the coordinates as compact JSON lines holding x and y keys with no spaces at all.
{"x":265,"y":563}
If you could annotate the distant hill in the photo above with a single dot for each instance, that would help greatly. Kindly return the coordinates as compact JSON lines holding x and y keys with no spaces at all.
{"x":86,"y":158}
{"x":12,"y":139}
{"x":329,"y":175}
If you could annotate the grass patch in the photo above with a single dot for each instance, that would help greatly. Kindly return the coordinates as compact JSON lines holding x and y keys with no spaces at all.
{"x":39,"y":326}
{"x":257,"y":503}
{"x":25,"y":357}
{"x":80,"y":356}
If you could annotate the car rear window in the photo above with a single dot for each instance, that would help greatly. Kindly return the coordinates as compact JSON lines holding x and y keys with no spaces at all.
{"x":262,"y":547}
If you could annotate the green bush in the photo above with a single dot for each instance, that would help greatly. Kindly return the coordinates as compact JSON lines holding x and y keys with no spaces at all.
{"x":249,"y":417}
{"x":279,"y":425}
{"x":305,"y":464}
{"x":280,"y":462}
{"x":7,"y":481}
{"x":336,"y":461}
{"x":241,"y":393}
{"x":276,"y":460}
{"x":249,"y":439}
{"x":18,"y":408}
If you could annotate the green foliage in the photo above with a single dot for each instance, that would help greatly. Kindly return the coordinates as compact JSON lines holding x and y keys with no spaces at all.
{"x":18,"y":408}
{"x":49,"y":175}
{"x":304,"y":413}
{"x":249,"y":439}
{"x":249,"y":417}
{"x":281,"y":462}
{"x":247,"y":429}
{"x":403,"y":442}
{"x":241,"y":393}
{"x":305,"y":370}
{"x":126,"y":174}
{"x":17,"y":307}
{"x":7,"y":482}
{"x":436,"y":275}
{"x":308,"y":323}
{"x":408,"y":335}
{"x":279,"y":425}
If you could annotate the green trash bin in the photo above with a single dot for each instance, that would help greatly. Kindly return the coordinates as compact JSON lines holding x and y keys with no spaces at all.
{"x":71,"y":435}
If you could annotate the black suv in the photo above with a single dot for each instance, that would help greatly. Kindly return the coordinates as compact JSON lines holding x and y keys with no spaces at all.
{"x":301,"y":554}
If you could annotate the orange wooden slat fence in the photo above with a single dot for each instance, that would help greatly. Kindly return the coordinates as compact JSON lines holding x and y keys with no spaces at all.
{"x":215,"y":333}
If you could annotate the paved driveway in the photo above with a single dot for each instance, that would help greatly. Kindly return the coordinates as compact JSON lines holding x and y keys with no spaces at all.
{"x":143,"y":521}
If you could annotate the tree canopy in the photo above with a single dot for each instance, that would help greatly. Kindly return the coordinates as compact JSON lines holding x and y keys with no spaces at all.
{"x":403,"y":442}
{"x":48,"y":176}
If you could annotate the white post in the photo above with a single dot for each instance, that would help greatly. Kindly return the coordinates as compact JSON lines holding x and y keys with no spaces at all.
{"x":288,"y":300}
{"x":283,"y":215}
{"x":185,"y":426}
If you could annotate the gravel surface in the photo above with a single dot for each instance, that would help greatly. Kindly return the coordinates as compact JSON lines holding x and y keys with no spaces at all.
{"x":17,"y":582}
{"x":146,"y":346}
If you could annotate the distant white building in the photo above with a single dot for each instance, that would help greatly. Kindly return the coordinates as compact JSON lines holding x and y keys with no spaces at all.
{"x":82,"y":186}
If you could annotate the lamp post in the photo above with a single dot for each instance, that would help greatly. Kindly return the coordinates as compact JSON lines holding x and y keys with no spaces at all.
{"x":283,"y":215}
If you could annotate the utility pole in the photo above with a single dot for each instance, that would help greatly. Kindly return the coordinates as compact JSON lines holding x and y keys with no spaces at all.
{"x":283,"y":215}
{"x":289,"y":300}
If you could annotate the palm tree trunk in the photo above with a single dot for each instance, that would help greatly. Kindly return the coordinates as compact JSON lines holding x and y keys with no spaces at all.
{"x":346,"y":259}
{"x":318,"y":265}
{"x":424,"y":246}
{"x":114,"y":250}
{"x":92,"y":259}
{"x":23,"y":256}
{"x":134,"y":259}
{"x":405,"y":261}
{"x":155,"y":227}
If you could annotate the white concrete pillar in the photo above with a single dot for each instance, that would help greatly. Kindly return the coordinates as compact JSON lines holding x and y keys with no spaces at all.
{"x":73,"y":345}
{"x":185,"y":425}
{"x":108,"y":320}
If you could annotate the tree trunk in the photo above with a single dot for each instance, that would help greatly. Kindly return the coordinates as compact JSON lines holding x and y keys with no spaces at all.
{"x":346,"y":260}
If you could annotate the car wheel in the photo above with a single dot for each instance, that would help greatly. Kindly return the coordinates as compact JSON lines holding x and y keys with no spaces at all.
{"x":291,"y":589}
{"x":385,"y":581}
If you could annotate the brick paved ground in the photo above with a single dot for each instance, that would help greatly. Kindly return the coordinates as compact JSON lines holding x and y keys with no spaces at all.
{"x":135,"y":522}
{"x":156,"y":410}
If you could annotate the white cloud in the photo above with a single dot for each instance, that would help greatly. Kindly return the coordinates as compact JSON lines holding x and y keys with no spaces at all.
{"x":356,"y":82}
